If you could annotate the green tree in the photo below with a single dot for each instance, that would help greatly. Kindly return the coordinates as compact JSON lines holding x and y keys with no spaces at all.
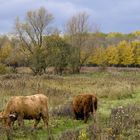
{"x":38,"y":61}
{"x":58,"y":53}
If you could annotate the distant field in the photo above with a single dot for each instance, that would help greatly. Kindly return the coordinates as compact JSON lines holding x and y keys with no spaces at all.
{"x":118,"y":92}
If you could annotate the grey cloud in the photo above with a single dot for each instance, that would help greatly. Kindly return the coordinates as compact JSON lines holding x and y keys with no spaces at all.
{"x":112,"y":15}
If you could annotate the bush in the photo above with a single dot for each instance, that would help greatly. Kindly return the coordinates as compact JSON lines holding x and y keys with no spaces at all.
{"x":122,"y":118}
{"x":64,"y":110}
{"x":83,"y":135}
{"x":11,"y":76}
{"x":3,"y":69}
{"x":37,"y":61}
{"x":69,"y":135}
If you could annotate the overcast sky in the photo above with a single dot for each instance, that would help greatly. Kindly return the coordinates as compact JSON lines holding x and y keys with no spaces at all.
{"x":110,"y":15}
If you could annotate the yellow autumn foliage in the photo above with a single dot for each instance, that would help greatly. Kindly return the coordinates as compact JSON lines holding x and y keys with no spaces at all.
{"x":98,"y":56}
{"x":125,"y":53}
{"x":5,"y":51}
{"x":112,"y":57}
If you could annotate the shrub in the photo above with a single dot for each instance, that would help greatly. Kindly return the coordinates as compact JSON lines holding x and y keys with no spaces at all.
{"x":69,"y":135}
{"x":38,"y":64}
{"x":83,"y":135}
{"x":11,"y":76}
{"x":64,"y":110}
{"x":122,"y":118}
{"x":3,"y":69}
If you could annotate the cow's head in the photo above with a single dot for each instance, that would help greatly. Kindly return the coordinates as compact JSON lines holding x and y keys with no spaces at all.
{"x":13,"y":116}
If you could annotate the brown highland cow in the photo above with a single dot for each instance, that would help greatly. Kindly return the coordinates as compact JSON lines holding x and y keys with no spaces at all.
{"x":26,"y":107}
{"x":84,"y":104}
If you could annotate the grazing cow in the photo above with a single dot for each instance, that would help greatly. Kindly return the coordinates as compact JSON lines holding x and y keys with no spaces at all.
{"x":26,"y":107}
{"x":84,"y":104}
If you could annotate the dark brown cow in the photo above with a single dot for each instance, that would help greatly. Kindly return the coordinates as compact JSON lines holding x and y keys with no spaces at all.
{"x":26,"y":107}
{"x":84,"y":104}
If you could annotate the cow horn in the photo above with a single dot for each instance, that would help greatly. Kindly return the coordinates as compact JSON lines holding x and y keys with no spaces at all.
{"x":12,"y":116}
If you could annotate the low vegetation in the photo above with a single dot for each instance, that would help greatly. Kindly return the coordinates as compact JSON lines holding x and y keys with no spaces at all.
{"x":118,"y":92}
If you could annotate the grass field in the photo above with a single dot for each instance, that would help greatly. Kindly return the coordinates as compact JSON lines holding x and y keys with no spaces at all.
{"x":118,"y":92}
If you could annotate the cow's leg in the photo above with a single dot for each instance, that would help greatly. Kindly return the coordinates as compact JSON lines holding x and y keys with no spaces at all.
{"x":85,"y":117}
{"x":45,"y":117}
{"x":36,"y":122}
{"x":75,"y":115}
{"x":20,"y":120}
{"x":9,"y":123}
{"x":13,"y":123}
{"x":86,"y":114}
{"x":94,"y":118}
{"x":45,"y":120}
{"x":82,"y":116}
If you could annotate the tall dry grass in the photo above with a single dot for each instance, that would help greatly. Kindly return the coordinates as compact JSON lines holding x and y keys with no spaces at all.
{"x":113,"y":88}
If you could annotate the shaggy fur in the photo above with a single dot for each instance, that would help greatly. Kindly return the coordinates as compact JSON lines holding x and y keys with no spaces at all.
{"x":84,"y":104}
{"x":26,"y":107}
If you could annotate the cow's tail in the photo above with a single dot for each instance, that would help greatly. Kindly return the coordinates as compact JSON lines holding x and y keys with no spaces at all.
{"x":47,"y":109}
{"x":95,"y":103}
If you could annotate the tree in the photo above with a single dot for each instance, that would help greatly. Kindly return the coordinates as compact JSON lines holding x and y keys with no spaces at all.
{"x":58,"y":53}
{"x":126,"y":54}
{"x":113,"y":38}
{"x":98,"y":56}
{"x":136,"y":50}
{"x":112,"y":57}
{"x":38,"y":61}
{"x":5,"y":50}
{"x":32,"y":30}
{"x":77,"y":33}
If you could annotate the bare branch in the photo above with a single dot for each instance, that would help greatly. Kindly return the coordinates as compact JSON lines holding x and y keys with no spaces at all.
{"x":32,"y":29}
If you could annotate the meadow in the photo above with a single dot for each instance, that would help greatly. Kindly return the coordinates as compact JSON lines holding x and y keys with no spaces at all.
{"x":117,"y":90}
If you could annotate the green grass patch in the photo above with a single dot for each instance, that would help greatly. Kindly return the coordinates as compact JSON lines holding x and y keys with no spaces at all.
{"x":112,"y":89}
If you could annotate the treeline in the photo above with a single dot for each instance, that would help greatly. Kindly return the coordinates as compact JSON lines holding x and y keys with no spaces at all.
{"x":123,"y":54}
{"x":38,"y":45}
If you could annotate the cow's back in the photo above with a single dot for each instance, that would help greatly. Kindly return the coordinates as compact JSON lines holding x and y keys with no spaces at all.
{"x":30,"y":105}
{"x":82,"y":100}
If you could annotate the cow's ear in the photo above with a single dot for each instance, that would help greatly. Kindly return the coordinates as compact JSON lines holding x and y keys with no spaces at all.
{"x":12,"y":116}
